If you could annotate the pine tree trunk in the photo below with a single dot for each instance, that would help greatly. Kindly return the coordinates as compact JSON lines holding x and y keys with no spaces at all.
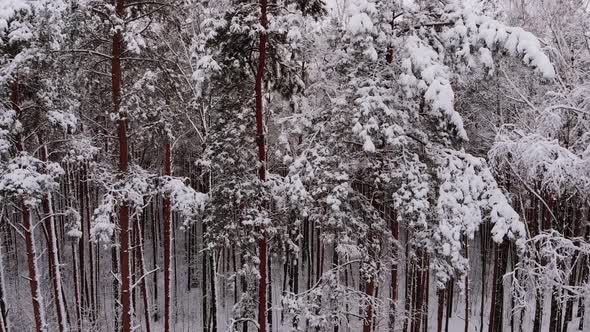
{"x":54,"y":271}
{"x":83,"y":239}
{"x":154,"y":258}
{"x":124,"y":256}
{"x":141,"y":266}
{"x":92,"y":299}
{"x":115,"y":285}
{"x":419,"y":294}
{"x":33,"y":273}
{"x":262,"y":159}
{"x":167,"y":245}
{"x":394,"y":271}
{"x":441,"y":307}
{"x":494,"y":290}
{"x":467,"y":288}
{"x":76,"y":274}
{"x":369,"y":318}
{"x":3,"y":309}
{"x":450,"y":294}
{"x":483,"y":250}
{"x":28,"y":229}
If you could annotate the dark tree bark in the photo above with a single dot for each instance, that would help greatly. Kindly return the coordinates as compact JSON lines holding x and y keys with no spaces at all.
{"x":369,"y":318}
{"x":124,"y":256}
{"x":141,"y":266}
{"x":28,"y":229}
{"x":466,"y":289}
{"x":167,"y":245}
{"x":54,"y":271}
{"x":262,"y":244}
{"x":441,"y":308}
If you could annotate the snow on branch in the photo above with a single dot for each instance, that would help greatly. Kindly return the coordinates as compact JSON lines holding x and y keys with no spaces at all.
{"x":135,"y":189}
{"x":8,"y":125}
{"x":536,"y":158}
{"x":80,"y":149}
{"x":424,"y":72}
{"x":473,"y":32}
{"x":28,"y":177}
{"x":185,"y":200}
{"x":467,"y":192}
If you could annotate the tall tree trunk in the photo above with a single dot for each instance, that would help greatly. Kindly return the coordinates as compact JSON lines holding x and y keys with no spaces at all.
{"x":492,"y":317}
{"x":54,"y":271}
{"x":369,"y":318}
{"x":153,"y":218}
{"x":394,"y":271}
{"x":441,"y":307}
{"x":124,"y":257}
{"x":450,"y":294}
{"x":83,"y":239}
{"x":3,"y":309}
{"x":419,"y":296}
{"x":141,"y":266}
{"x":115,"y":285}
{"x":76,"y":274}
{"x":167,"y":245}
{"x":467,"y":288}
{"x":33,"y":274}
{"x":28,"y":228}
{"x":483,"y":250}
{"x":262,"y":159}
{"x":92,"y":299}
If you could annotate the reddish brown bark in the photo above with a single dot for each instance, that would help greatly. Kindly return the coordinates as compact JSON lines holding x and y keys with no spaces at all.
{"x":262,"y":158}
{"x":32,"y":263}
{"x":466,"y":289}
{"x":167,"y":245}
{"x":28,"y":230}
{"x":124,"y":255}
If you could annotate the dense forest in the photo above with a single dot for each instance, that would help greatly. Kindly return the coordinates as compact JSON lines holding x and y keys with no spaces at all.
{"x":295,"y":165}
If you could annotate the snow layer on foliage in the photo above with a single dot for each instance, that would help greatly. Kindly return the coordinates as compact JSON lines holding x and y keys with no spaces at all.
{"x":8,"y":125}
{"x":360,"y":28}
{"x":134,"y":189}
{"x":134,"y":41}
{"x":471,"y":29}
{"x":536,"y":158}
{"x":471,"y":36}
{"x":74,"y":225}
{"x":30,"y":178}
{"x":80,"y":149}
{"x":425,"y":72}
{"x":67,"y":121}
{"x":467,"y":192}
{"x":103,"y":225}
{"x":8,"y":8}
{"x":359,"y":20}
{"x":185,"y":200}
